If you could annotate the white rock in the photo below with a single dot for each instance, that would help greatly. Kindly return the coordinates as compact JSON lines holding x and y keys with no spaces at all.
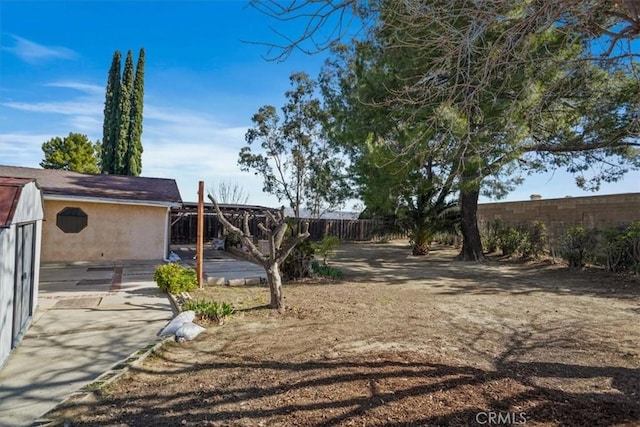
{"x":188,"y":331}
{"x":179,"y":320}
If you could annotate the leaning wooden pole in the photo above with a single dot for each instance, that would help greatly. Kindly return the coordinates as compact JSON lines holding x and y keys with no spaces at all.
{"x":200,"y":235}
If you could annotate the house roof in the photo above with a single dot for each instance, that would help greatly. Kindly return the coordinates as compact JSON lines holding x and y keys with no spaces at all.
{"x":10,"y":190}
{"x":57,"y":183}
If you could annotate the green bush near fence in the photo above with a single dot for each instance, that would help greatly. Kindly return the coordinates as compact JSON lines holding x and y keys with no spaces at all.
{"x":621,"y":248}
{"x":527,"y":240}
{"x":326,"y":247}
{"x":578,"y":246}
{"x":617,"y":248}
{"x":174,"y":278}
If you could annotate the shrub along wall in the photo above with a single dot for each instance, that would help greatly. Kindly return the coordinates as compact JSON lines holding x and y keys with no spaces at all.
{"x":560,"y":214}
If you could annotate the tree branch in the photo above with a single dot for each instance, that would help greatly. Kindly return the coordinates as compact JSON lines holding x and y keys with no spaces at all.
{"x":548,"y":148}
{"x":246,"y":238}
{"x":284,"y":253}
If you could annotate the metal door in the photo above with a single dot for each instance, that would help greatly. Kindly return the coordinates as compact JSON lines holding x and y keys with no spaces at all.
{"x":23,"y":289}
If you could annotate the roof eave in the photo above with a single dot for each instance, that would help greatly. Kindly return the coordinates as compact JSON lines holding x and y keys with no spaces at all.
{"x":111,"y":201}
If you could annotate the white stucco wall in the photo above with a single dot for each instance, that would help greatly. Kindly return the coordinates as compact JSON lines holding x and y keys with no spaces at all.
{"x":114,"y":232}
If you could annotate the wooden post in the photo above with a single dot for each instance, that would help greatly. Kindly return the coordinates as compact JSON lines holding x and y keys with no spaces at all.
{"x":200,"y":234}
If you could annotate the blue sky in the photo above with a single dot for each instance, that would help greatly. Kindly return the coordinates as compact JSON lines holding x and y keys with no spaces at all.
{"x":202,"y":85}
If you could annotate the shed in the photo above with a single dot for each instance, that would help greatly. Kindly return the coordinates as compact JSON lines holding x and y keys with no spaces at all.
{"x":102,"y":218}
{"x":21,"y":215}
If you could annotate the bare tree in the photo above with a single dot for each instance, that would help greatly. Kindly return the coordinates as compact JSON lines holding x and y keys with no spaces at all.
{"x":229,"y":193}
{"x":275,"y":228}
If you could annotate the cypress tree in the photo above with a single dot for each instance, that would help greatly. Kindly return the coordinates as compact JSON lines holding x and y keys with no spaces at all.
{"x":111,"y":116}
{"x":126,"y":88}
{"x":134,"y":141}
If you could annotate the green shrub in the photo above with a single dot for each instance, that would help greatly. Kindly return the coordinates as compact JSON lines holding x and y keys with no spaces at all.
{"x":577,"y":246}
{"x":231,"y":240}
{"x":510,"y":240}
{"x":298,"y":263}
{"x":621,"y":246}
{"x":174,"y":278}
{"x":526,"y":240}
{"x":536,"y":239}
{"x":326,"y":271}
{"x":491,"y":237}
{"x":326,"y":247}
{"x":210,"y":310}
{"x":449,"y":239}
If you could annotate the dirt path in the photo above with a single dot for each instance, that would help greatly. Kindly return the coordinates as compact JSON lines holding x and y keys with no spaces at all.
{"x":401,"y":340}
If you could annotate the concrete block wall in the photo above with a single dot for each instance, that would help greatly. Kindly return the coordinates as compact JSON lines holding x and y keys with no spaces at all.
{"x":560,"y":214}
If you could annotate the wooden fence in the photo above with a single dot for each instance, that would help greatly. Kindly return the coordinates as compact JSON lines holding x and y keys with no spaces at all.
{"x":184,"y":228}
{"x":351,"y":229}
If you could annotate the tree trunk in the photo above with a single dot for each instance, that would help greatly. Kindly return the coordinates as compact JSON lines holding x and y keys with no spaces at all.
{"x":421,"y":249}
{"x":275,"y":288}
{"x":471,"y":243}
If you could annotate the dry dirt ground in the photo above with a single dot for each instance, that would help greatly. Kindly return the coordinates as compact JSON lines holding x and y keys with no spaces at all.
{"x":400,"y":340}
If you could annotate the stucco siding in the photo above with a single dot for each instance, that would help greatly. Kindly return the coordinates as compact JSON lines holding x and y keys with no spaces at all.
{"x":113,"y":232}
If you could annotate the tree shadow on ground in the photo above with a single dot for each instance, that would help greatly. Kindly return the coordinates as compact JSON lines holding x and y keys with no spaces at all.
{"x":391,"y":389}
{"x":392,"y":264}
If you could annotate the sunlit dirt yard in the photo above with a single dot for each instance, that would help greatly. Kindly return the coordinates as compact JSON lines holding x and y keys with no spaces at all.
{"x":400,"y":340}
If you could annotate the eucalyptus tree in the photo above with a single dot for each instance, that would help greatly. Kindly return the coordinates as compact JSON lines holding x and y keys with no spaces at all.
{"x":294,"y":158}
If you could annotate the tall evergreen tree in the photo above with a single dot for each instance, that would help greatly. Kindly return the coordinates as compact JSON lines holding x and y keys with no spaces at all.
{"x":111,"y":116}
{"x":122,"y":126}
{"x":133,"y":160}
{"x":126,"y":89}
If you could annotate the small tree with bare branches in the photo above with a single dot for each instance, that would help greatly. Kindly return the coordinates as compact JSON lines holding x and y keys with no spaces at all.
{"x":275,"y":228}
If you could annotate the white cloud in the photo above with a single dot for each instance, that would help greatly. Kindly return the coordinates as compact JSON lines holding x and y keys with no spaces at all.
{"x":34,"y":53}
{"x":87,"y":88}
{"x":89,"y":125}
{"x":84,"y":112}
{"x":179,"y":143}
{"x":80,"y":107}
{"x":192,"y":146}
{"x":22,"y":149}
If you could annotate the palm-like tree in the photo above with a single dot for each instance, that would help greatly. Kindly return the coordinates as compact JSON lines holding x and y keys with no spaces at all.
{"x":427,"y":214}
